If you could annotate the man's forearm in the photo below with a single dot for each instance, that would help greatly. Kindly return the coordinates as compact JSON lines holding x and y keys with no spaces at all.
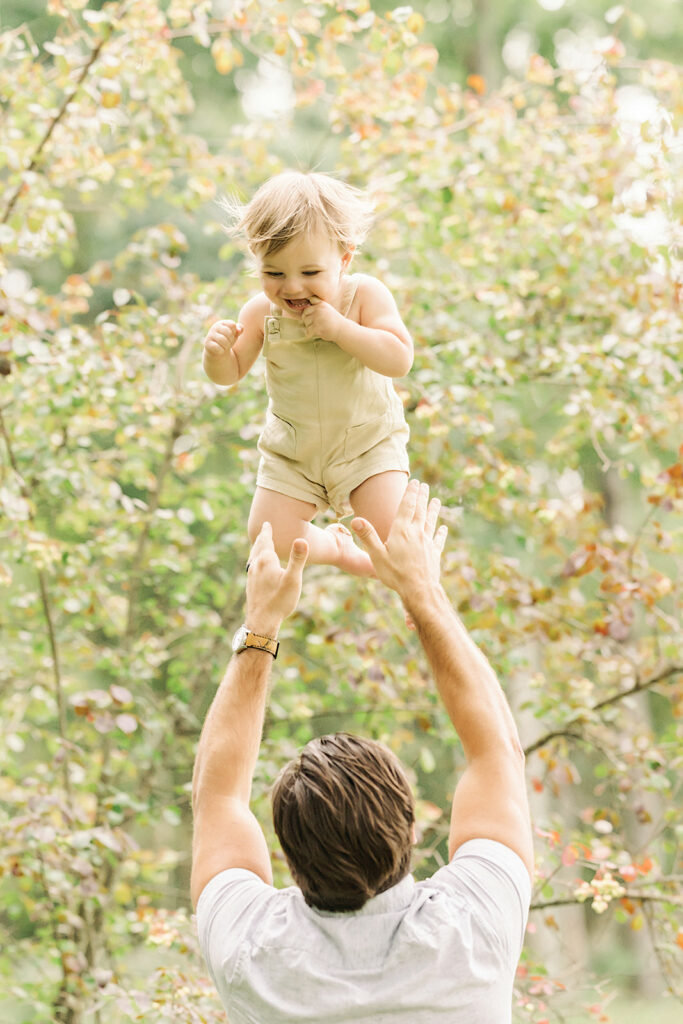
{"x":466,"y":682}
{"x":230,"y":740}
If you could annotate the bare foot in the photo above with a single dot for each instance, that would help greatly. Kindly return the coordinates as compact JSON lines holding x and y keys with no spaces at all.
{"x":351,"y":558}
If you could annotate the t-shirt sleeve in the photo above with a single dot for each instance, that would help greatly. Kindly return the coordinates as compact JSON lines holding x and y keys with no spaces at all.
{"x":228,"y":907}
{"x":496,"y":886}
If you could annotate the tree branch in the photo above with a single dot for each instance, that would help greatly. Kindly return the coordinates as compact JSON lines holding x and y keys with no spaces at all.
{"x":139,"y":556}
{"x":57,"y":676}
{"x":68,"y":98}
{"x":580,"y":719}
{"x":636,"y":895}
{"x":47,"y":612}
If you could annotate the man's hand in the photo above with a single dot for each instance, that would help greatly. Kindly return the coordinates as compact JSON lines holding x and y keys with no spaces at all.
{"x":273,"y":592}
{"x":411,"y":556}
{"x":221,"y":338}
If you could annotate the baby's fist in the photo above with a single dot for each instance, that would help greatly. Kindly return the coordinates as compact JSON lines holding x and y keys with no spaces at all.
{"x":221,"y":337}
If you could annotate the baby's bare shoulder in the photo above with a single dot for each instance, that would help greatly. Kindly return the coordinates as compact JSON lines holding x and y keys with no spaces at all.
{"x":372,"y":297}
{"x":254,"y":311}
{"x":257,"y":306}
{"x":366,"y":284}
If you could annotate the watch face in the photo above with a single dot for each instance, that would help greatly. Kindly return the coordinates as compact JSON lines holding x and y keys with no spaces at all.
{"x":239,"y":639}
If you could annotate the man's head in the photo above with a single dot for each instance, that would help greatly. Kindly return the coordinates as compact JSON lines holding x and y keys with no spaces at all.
{"x":344,"y":814}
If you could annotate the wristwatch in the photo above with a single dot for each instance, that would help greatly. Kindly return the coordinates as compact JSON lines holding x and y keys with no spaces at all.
{"x":244,"y":640}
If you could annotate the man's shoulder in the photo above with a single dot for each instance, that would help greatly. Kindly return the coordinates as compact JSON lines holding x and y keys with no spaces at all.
{"x":242,"y":880}
{"x":238,"y":893}
{"x":485,"y":857}
{"x":488,"y":883}
{"x":486,"y":877}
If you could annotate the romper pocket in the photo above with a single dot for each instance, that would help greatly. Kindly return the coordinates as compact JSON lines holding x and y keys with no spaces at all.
{"x":364,"y":436}
{"x":278,"y":437}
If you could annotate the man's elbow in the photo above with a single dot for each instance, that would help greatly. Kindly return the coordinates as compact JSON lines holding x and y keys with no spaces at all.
{"x":517,"y":752}
{"x":196,"y":787}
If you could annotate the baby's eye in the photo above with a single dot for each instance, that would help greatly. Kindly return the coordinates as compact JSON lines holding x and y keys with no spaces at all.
{"x":311,"y":273}
{"x":273,"y":273}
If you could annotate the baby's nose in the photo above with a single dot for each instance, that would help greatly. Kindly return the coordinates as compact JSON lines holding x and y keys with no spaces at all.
{"x":295,"y":286}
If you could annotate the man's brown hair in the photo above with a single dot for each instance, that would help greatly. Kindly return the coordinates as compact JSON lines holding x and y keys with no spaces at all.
{"x":344,"y":813}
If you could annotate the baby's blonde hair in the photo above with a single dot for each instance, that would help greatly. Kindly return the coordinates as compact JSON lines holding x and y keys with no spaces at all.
{"x":295,"y":203}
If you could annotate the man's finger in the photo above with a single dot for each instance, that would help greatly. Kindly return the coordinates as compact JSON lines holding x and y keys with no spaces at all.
{"x":421,"y":504}
{"x":367,"y":534}
{"x":406,"y":509}
{"x":433,"y":510}
{"x":297,"y":555}
{"x":263,"y":542}
{"x":440,"y":539}
{"x":265,"y":534}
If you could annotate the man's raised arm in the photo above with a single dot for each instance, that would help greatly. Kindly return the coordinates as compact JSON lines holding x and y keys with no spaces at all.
{"x":226,"y":833}
{"x":490,"y":800}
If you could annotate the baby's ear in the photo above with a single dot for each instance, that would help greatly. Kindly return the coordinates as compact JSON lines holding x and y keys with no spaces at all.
{"x":348,"y":256}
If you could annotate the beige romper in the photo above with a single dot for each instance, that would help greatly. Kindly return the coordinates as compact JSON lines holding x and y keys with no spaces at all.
{"x":331,"y":422}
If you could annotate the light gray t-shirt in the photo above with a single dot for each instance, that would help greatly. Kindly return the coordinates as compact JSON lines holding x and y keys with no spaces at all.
{"x":445,"y":949}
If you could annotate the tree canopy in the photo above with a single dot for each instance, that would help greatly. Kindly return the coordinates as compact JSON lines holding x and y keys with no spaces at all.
{"x":528,"y":231}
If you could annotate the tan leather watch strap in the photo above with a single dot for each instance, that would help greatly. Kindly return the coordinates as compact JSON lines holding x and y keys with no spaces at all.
{"x":245,"y":639}
{"x":262,"y":643}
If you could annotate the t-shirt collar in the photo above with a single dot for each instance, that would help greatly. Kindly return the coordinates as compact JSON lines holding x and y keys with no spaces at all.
{"x":392,"y":900}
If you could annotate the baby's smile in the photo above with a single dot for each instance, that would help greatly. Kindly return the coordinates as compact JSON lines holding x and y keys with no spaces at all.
{"x":297,"y":304}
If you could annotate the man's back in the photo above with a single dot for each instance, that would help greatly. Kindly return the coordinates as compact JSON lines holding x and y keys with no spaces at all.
{"x":443,"y":949}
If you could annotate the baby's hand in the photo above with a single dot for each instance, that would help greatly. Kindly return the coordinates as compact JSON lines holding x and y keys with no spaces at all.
{"x":322,"y":320}
{"x":221,"y":338}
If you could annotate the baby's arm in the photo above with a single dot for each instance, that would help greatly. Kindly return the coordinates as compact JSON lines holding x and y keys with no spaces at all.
{"x":380,"y":339}
{"x":230,"y":349}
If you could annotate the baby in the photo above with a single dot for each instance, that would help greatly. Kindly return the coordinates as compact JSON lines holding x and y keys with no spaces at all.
{"x":335,"y":434}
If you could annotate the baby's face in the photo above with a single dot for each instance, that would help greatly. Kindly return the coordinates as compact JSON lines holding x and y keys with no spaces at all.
{"x":310,"y":266}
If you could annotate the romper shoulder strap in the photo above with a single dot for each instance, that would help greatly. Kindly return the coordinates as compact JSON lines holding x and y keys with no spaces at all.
{"x":349,"y":293}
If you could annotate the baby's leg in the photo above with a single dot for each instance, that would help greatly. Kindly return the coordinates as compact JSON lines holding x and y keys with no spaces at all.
{"x":377,"y":499}
{"x":291,"y":518}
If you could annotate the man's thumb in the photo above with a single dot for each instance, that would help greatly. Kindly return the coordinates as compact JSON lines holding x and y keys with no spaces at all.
{"x":299,"y":552}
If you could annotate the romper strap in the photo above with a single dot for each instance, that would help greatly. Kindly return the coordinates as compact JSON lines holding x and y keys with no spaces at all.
{"x":348,"y":293}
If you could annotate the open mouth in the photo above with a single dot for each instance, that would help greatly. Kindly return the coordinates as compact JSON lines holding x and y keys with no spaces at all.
{"x":297,"y":304}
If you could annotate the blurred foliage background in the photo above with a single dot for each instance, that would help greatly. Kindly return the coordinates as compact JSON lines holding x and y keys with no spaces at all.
{"x":525,"y":161}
